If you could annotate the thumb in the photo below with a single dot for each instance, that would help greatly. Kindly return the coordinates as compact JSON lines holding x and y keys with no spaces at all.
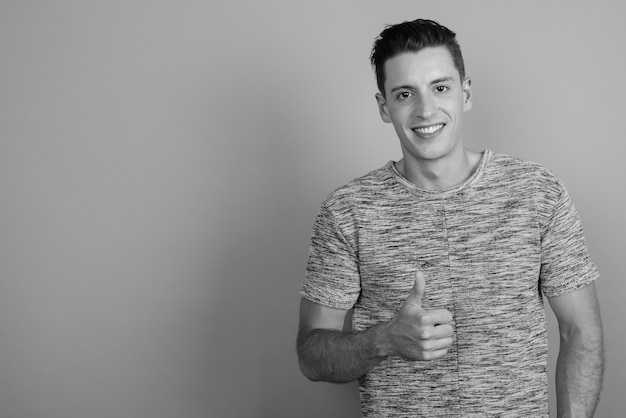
{"x":417,"y":292}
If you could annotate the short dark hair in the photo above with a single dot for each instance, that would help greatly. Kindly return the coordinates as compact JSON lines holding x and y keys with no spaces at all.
{"x":412,"y":37}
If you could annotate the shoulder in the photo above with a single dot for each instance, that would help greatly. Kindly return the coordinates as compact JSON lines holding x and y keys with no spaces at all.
{"x":508,"y":164}
{"x":525,"y":174}
{"x":529,"y":181}
{"x":360,"y":190}
{"x":351,"y":205}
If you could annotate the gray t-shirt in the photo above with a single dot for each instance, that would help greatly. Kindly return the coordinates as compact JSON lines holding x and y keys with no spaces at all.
{"x":489,"y":249}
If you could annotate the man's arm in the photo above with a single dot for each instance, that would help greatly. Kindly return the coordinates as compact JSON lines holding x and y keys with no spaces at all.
{"x":328,"y":350}
{"x":580,"y":364}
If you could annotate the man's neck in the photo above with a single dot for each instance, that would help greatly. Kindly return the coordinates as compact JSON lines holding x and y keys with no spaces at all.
{"x":440,"y":174}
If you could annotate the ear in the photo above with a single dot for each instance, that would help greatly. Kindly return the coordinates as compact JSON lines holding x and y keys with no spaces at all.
{"x":467,"y":94}
{"x":382,"y":108}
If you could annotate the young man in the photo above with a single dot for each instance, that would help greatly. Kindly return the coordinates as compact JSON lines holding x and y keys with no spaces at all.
{"x":425,"y":277}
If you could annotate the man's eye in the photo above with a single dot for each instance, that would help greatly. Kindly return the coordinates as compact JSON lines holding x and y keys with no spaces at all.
{"x":441,"y":89}
{"x":404,"y":95}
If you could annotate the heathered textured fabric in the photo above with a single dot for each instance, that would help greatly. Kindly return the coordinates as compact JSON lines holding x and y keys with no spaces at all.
{"x":489,"y":248}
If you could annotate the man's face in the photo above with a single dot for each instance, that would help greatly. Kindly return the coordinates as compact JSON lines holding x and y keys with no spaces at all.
{"x":425,"y":100}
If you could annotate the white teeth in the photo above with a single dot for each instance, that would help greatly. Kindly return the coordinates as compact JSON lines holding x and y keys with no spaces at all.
{"x":429,"y":129}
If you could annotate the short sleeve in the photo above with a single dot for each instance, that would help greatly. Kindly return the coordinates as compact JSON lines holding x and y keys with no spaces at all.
{"x":565,"y":262}
{"x":332,"y":275}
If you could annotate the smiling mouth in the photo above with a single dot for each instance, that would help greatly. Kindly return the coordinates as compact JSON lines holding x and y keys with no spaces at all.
{"x":429,"y":130}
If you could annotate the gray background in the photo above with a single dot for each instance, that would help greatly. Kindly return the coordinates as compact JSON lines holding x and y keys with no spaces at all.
{"x":162,"y":163}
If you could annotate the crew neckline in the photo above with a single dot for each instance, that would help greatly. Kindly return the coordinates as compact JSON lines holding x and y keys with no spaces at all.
{"x":473,"y":178}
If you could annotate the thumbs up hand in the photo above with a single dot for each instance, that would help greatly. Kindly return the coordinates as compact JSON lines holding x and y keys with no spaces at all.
{"x":416,"y":333}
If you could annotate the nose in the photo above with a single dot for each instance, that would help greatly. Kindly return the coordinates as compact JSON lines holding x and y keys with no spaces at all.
{"x":425,"y":107}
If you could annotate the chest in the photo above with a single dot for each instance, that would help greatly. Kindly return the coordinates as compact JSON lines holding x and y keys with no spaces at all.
{"x":478,"y":254}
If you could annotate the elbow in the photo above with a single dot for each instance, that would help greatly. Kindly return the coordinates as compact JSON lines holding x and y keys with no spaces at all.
{"x":304,"y":361}
{"x":307,"y":371}
{"x":584,"y":340}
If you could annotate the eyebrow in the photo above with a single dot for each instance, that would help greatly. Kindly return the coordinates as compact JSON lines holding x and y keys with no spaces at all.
{"x":442,"y":80}
{"x":436,"y":81}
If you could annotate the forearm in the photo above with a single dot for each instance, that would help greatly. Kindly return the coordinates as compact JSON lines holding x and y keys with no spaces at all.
{"x":336,"y":356}
{"x":579,"y":373}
